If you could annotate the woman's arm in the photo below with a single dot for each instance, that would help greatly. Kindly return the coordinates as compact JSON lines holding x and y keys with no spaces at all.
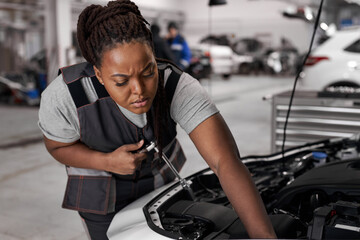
{"x":76,"y":154}
{"x":217,"y":146}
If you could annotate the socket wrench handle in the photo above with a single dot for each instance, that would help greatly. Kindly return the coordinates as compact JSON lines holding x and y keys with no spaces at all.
{"x":167,"y":161}
{"x":148,"y":148}
{"x":183,"y":183}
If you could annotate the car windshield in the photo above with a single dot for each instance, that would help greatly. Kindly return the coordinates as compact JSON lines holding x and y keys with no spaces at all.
{"x":354,"y":47}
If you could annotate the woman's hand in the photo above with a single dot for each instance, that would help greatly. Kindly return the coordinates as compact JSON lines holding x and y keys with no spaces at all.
{"x":125,"y":160}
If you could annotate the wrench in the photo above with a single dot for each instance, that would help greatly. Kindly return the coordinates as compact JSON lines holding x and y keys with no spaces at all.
{"x":183,"y":183}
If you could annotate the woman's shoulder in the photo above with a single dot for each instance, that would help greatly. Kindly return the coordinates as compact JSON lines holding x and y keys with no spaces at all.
{"x":56,"y":88}
{"x":163,"y":64}
{"x":67,"y":75}
{"x":75,"y":78}
{"x":74,"y":72}
{"x":166,"y":68}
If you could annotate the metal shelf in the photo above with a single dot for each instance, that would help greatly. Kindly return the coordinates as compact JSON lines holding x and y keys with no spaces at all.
{"x":313,"y":118}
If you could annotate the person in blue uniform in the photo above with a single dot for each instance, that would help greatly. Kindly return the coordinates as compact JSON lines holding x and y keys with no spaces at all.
{"x":179,"y":46}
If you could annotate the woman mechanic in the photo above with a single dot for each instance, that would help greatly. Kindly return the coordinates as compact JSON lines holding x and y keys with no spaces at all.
{"x":98,"y":115}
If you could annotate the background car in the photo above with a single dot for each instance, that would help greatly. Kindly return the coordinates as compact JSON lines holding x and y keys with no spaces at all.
{"x":243,"y":64}
{"x":335,"y":63}
{"x":249,"y":56}
{"x":221,"y":58}
{"x":200,"y":63}
{"x":222,"y":55}
{"x":244,"y":59}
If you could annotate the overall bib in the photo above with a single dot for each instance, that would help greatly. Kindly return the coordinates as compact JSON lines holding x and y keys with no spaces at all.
{"x":103,"y":127}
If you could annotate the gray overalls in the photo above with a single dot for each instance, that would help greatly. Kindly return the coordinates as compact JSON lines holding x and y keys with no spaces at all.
{"x":104,"y":128}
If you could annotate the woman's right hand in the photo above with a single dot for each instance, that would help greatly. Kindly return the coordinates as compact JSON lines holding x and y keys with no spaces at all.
{"x":126,"y":159}
{"x":123,"y":160}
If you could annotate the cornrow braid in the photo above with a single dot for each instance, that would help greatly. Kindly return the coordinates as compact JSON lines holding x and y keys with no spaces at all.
{"x":101,"y":28}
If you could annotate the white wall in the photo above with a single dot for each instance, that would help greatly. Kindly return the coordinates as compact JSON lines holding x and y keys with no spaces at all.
{"x":159,"y":4}
{"x":242,"y":18}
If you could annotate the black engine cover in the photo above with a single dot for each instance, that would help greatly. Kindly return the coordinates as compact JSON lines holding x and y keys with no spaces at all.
{"x":343,"y":176}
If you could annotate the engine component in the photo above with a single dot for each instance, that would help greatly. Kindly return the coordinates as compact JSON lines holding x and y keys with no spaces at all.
{"x":340,"y":220}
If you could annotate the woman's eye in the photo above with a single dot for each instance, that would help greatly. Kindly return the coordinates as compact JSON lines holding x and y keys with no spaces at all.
{"x":119,"y":84}
{"x":150,"y":74}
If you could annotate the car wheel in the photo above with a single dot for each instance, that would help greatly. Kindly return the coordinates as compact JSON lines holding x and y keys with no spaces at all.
{"x":226,"y":76}
{"x":341,"y":85}
{"x":244,"y":69}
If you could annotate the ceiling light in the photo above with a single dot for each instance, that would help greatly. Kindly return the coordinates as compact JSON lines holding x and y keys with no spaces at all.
{"x":216,"y":2}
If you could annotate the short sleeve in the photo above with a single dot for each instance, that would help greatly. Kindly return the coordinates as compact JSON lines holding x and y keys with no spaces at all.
{"x":58,"y":119}
{"x":191,"y":104}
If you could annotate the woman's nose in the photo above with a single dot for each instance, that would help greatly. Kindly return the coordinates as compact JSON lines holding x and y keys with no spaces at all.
{"x":137,"y":86}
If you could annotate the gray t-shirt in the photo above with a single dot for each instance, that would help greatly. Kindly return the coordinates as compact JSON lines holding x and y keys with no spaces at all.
{"x":58,"y":119}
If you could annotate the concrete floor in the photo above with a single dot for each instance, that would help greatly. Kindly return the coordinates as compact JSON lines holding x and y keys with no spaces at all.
{"x":32,"y":183}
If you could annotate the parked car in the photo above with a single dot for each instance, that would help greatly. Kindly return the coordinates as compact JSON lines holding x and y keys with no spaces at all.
{"x":251,"y":53}
{"x":200,"y":63}
{"x":246,"y":53}
{"x":20,"y":88}
{"x":221,"y":58}
{"x":309,"y":192}
{"x":281,"y":61}
{"x":243,"y":64}
{"x":335,"y":63}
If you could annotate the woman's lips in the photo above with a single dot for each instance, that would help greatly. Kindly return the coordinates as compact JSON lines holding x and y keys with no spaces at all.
{"x":140,"y":103}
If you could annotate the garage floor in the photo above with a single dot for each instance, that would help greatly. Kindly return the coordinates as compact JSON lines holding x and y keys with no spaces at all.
{"x":32,"y":183}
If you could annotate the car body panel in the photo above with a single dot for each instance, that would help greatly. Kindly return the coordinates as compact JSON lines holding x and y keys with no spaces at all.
{"x":221,"y":58}
{"x":130,"y":222}
{"x":242,"y":61}
{"x":341,"y":65}
{"x":200,"y":64}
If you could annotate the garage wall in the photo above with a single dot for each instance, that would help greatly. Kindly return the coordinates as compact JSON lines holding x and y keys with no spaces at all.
{"x":158,"y":4}
{"x":244,"y":18}
{"x":238,"y":18}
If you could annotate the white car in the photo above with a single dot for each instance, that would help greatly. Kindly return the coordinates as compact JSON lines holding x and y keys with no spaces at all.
{"x":242,"y":63}
{"x":221,"y":58}
{"x":335,"y":63}
{"x":311,"y":193}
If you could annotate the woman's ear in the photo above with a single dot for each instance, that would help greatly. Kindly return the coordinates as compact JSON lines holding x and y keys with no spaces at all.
{"x":98,"y":75}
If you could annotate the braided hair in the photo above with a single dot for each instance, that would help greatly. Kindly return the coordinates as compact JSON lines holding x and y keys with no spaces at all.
{"x":101,"y":28}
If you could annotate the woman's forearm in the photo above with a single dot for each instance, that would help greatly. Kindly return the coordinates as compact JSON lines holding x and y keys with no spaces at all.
{"x":217,"y":146}
{"x":77,"y":155}
{"x":243,"y":195}
{"x":123,"y":160}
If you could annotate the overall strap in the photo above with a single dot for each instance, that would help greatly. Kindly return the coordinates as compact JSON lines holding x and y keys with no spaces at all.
{"x":78,"y":94}
{"x":173,"y":79}
{"x":99,"y":88}
{"x":72,"y":76}
{"x":171,"y":84}
{"x":76,"y":71}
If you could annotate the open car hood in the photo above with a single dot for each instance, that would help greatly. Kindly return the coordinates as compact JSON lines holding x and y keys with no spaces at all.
{"x":305,"y":197}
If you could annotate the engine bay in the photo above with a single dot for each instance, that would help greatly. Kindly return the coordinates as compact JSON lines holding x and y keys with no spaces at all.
{"x":310,"y":192}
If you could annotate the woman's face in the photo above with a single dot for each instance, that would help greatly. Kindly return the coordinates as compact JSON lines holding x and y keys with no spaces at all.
{"x":130,"y":76}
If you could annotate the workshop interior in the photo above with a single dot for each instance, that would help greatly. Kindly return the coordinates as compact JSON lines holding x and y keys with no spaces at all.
{"x":284,"y":73}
